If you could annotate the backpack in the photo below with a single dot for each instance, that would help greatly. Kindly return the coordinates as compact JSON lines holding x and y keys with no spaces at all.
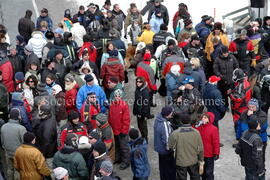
{"x":179,"y":27}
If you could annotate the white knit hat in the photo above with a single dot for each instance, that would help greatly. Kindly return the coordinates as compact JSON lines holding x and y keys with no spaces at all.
{"x":175,"y":69}
{"x":60,"y":172}
{"x":57,"y":88}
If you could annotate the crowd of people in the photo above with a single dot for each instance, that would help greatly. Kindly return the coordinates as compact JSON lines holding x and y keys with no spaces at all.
{"x":63,"y":111}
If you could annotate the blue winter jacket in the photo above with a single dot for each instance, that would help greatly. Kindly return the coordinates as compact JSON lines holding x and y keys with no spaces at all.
{"x":82,"y":95}
{"x":24,"y":117}
{"x":203,"y":30}
{"x":213,"y":100}
{"x":172,"y":83}
{"x":162,"y":131}
{"x":155,"y":23}
{"x":242,"y":124}
{"x":139,"y":160}
{"x":44,"y":18}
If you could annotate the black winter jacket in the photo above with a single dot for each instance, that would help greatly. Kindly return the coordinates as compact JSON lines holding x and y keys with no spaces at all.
{"x":249,"y":149}
{"x":142,"y":101}
{"x":26,"y":27}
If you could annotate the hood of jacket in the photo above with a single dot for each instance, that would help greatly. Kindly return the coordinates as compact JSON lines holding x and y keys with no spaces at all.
{"x":160,"y":119}
{"x":142,"y":87}
{"x":211,"y":117}
{"x":37,"y":35}
{"x":86,"y":66}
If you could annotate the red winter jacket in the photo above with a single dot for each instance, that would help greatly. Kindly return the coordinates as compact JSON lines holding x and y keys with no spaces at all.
{"x":119,"y":117}
{"x":92,"y":51}
{"x":112,"y":67}
{"x":144,"y":70}
{"x":68,"y":128}
{"x":7,"y":74}
{"x":210,"y":137}
{"x":94,"y":110}
{"x":240,"y":100}
{"x":71,"y":99}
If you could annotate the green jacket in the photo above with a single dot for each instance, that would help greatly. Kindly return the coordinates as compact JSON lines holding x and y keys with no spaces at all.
{"x":188,"y":146}
{"x":73,"y":161}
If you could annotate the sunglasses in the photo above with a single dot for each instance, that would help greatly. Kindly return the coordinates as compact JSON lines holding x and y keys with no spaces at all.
{"x":139,"y":81}
{"x":30,"y":81}
{"x":90,"y":138}
{"x":93,"y":97}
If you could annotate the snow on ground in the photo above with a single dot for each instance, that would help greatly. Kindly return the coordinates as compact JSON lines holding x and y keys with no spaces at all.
{"x":196,"y":8}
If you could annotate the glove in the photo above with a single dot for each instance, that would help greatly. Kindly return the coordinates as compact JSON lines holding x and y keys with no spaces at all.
{"x":122,"y":135}
{"x":216,"y":157}
{"x":253,"y":63}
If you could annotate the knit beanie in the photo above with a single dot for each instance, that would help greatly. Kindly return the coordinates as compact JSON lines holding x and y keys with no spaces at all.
{"x":19,"y":76}
{"x":100,"y":147}
{"x":254,"y":102}
{"x":69,"y":77}
{"x":133,"y":133}
{"x":175,"y":69}
{"x":73,"y":115}
{"x":60,"y":173}
{"x":17,"y":96}
{"x":28,"y":48}
{"x":88,"y":78}
{"x":107,"y":166}
{"x":187,"y":22}
{"x":167,"y":110}
{"x":28,"y":137}
{"x":57,"y":88}
{"x":102,"y":119}
{"x":20,"y":38}
{"x":95,"y":134}
{"x":171,"y":42}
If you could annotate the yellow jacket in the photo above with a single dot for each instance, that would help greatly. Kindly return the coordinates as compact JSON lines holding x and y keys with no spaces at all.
{"x":209,"y":48}
{"x":30,"y":163}
{"x":146,"y":37}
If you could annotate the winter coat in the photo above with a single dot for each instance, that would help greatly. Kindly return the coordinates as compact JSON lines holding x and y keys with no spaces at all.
{"x":37,"y":42}
{"x":120,"y":17}
{"x":92,"y":51}
{"x":243,"y":50}
{"x":144,"y":70}
{"x":210,"y":137}
{"x":173,"y":82}
{"x":188,"y":146}
{"x":212,"y":94}
{"x":132,"y":34}
{"x":240,"y":96}
{"x":62,"y":68}
{"x":203,"y":30}
{"x":209,"y":48}
{"x":139,"y":160}
{"x":142,"y":102}
{"x":3,"y":96}
{"x":46,"y":135}
{"x":88,"y":113}
{"x":250,"y":151}
{"x":160,"y":38}
{"x":17,"y":63}
{"x":26,"y":27}
{"x":242,"y":124}
{"x":12,"y":136}
{"x":112,"y":68}
{"x":70,"y":159}
{"x":60,"y":110}
{"x":131,"y":17}
{"x":30,"y":163}
{"x":105,"y":57}
{"x":30,"y":94}
{"x":82,"y":95}
{"x":155,"y":23}
{"x":223,"y":67}
{"x":7,"y":74}
{"x":119,"y":117}
{"x":44,"y":18}
{"x":78,"y":32}
{"x":19,"y":104}
{"x":162,"y":131}
{"x":70,"y":128}
{"x":162,"y":9}
{"x":70,"y":98}
{"x":146,"y":37}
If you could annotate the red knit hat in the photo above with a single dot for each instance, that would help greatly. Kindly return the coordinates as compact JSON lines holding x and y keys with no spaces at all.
{"x":214,"y":79}
{"x":147,"y":56}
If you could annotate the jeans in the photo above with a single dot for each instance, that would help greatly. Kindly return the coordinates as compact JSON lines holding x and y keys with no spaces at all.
{"x":142,"y":125}
{"x":193,"y":171}
{"x":12,"y":173}
{"x":136,"y":178}
{"x":208,"y":173}
{"x":251,"y":174}
{"x":166,"y":166}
